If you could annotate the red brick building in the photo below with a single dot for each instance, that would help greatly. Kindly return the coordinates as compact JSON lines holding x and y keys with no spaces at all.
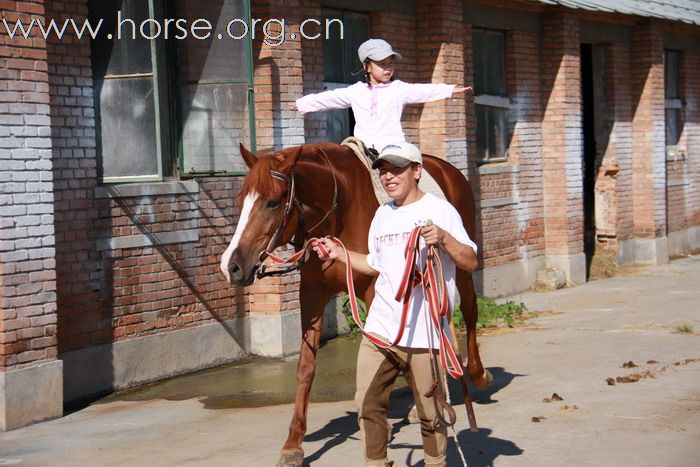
{"x":119,"y":161}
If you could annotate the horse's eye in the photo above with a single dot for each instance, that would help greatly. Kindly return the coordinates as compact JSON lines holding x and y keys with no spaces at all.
{"x":273,"y":204}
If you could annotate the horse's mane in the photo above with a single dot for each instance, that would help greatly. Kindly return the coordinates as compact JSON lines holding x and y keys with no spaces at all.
{"x":259,"y":180}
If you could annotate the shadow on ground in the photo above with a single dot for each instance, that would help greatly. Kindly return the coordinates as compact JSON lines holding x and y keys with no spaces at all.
{"x":479,"y":448}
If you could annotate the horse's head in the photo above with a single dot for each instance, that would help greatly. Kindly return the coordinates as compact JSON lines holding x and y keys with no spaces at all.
{"x":266,"y":219}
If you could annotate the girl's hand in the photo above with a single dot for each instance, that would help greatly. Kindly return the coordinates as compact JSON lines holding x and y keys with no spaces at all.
{"x":461,"y":89}
{"x":293,"y":106}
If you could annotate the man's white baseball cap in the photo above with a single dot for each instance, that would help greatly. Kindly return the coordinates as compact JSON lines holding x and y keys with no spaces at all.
{"x":399,"y":155}
{"x":376,"y":50}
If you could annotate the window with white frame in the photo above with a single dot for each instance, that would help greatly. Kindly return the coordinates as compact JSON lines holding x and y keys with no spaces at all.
{"x":172,"y":106}
{"x":490,"y":94}
{"x":673,"y":101}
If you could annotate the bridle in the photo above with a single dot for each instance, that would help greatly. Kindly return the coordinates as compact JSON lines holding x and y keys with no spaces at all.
{"x":296,"y":261}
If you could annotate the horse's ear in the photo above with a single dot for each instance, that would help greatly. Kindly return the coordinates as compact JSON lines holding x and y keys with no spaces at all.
{"x":289,"y":160}
{"x":249,"y":158}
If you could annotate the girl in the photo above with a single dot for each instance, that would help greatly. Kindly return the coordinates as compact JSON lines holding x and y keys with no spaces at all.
{"x":378,"y":102}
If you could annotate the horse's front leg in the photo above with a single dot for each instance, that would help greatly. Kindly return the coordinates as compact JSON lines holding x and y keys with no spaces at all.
{"x":480,"y":377}
{"x":312,"y":304}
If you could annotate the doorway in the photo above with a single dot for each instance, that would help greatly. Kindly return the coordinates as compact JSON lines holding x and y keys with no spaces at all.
{"x":588,"y":117}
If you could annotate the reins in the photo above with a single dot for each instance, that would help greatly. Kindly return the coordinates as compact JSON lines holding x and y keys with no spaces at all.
{"x":436,"y":294}
{"x":295,"y":261}
{"x":434,"y":286}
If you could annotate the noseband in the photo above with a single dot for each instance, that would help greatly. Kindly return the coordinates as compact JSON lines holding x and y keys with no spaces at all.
{"x":296,"y":261}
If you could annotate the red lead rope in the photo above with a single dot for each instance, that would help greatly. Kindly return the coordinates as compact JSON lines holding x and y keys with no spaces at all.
{"x":433,"y":282}
{"x":431,"y":279}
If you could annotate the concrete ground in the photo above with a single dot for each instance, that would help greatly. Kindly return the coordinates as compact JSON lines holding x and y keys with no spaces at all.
{"x":583,"y":337}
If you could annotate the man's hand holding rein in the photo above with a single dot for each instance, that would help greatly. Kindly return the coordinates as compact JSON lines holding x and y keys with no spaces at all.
{"x":333,"y":251}
{"x":463,"y":255}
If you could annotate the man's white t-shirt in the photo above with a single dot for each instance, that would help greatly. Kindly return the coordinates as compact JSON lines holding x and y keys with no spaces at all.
{"x":388,"y":235}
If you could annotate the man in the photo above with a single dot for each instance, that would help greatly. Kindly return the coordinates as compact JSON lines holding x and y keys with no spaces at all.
{"x":400,"y":168}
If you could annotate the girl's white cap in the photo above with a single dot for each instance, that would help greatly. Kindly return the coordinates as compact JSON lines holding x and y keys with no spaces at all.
{"x":376,"y":50}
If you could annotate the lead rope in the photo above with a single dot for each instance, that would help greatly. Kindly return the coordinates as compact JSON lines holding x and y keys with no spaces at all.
{"x":433,"y":289}
{"x":438,"y":301}
{"x":432,"y":250}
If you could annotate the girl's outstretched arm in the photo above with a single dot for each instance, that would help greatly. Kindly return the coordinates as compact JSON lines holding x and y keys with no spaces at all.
{"x":415,"y":93}
{"x":327,"y":100}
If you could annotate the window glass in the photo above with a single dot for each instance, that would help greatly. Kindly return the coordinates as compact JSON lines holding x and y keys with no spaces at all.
{"x":127,"y":132}
{"x":674,"y":114}
{"x":490,"y":80}
{"x":213,"y":89}
{"x":489,"y":62}
{"x":125,"y":93}
{"x":672,"y":127}
{"x":214,"y":122}
{"x":340,"y":58}
{"x":492,"y":130}
{"x":671,"y":65}
{"x":212,"y":58}
{"x":127,"y":55}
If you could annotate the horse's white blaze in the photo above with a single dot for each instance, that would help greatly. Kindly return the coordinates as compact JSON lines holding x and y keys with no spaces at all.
{"x":248,"y":203}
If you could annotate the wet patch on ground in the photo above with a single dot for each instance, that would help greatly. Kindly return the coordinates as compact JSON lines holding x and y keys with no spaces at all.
{"x":258,"y":381}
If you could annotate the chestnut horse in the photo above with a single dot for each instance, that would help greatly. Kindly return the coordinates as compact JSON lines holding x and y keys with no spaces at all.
{"x":317,"y":190}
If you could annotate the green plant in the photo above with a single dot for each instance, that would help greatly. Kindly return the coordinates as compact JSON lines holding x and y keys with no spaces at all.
{"x":491,"y":314}
{"x":685,"y":328}
{"x":458,"y":319}
{"x":354,"y":329}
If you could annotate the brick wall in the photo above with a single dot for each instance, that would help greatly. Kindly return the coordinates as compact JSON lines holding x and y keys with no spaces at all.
{"x":62,"y":290}
{"x":680,"y":172}
{"x":79,"y":264}
{"x":110,"y":294}
{"x":312,"y":61}
{"x":649,"y":160}
{"x":392,"y":26}
{"x":562,"y":134}
{"x":692,"y":135}
{"x":441,"y":59}
{"x":619,"y":150}
{"x":27,"y":254}
{"x":525,"y":123}
{"x":278,"y":79}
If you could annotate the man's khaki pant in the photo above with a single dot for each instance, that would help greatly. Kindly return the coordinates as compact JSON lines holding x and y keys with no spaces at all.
{"x":377,"y":370}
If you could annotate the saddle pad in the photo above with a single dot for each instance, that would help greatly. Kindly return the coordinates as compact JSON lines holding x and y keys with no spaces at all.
{"x":427,"y":183}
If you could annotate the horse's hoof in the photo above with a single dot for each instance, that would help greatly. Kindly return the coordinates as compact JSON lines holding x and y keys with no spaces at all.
{"x":484,"y":381}
{"x":291,"y":458}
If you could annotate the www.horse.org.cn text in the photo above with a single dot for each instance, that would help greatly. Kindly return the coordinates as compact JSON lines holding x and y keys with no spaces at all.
{"x":274,"y":32}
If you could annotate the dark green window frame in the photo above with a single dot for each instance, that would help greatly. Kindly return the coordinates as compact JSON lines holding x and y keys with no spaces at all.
{"x":129,"y":99}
